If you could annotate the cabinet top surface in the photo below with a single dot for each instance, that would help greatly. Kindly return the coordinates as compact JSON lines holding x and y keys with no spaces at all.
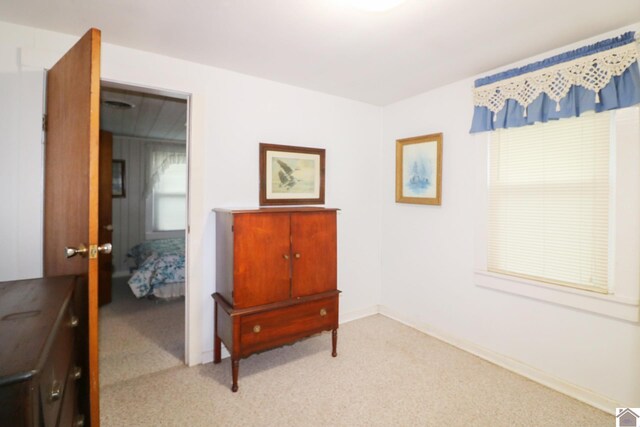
{"x":276,"y":210}
{"x":29,"y":311}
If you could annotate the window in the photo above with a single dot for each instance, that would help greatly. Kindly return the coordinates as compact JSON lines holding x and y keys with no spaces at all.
{"x":549,"y":201}
{"x":558,"y":212}
{"x":165,"y":189}
{"x":169,"y":199}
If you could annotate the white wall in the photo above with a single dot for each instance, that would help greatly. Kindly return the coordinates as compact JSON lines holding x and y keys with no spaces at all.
{"x":428,"y":265}
{"x":20,"y":167}
{"x":230,"y":114}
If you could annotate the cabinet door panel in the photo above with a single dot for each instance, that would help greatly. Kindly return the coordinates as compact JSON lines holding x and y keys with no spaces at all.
{"x":313,"y":242}
{"x":261,"y":259}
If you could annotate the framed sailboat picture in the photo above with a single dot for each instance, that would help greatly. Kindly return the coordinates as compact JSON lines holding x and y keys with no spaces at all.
{"x":419,"y":170}
{"x":291,"y":175}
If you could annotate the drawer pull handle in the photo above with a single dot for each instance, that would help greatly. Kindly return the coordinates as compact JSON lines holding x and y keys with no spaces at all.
{"x":79,"y":421}
{"x":76,"y":374}
{"x":257,"y":329}
{"x":56,"y":391}
{"x":323,"y":312}
{"x":74,"y":321}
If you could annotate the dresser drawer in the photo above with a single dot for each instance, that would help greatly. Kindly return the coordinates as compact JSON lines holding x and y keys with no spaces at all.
{"x":55,"y":372}
{"x":277,"y":327}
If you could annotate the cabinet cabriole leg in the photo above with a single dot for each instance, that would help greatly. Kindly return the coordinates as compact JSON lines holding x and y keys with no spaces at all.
{"x":217,"y":350}
{"x":334,"y":342}
{"x":216,"y":339}
{"x":235,"y":364}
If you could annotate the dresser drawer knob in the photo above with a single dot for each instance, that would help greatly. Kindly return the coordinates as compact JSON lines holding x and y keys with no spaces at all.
{"x":79,"y":421}
{"x":74,"y":321}
{"x":297,"y":256}
{"x":323,"y":312}
{"x":257,"y":329}
{"x":56,"y":391}
{"x":76,"y":374}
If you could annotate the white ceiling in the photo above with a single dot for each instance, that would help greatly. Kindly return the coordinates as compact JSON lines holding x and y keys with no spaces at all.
{"x":151,"y":117}
{"x":323,"y":45}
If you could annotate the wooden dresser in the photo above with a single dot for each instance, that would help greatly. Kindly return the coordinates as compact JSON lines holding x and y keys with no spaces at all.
{"x":276,"y":279}
{"x":39,"y":361}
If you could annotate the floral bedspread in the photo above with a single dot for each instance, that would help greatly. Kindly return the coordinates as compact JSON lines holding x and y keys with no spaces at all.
{"x":158,"y":263}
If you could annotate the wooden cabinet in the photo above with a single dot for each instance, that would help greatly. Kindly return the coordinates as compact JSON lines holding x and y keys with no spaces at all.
{"x":39,"y":361}
{"x":276,"y":279}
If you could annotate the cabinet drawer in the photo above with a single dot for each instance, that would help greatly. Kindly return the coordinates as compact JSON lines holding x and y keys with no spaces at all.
{"x":284,"y":325}
{"x":56,"y":370}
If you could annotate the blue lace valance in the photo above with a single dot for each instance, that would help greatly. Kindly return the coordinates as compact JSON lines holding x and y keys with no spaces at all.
{"x":600,"y":77}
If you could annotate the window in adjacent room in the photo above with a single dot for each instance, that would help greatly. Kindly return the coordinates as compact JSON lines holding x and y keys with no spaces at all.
{"x":169,"y":199}
{"x":166,"y":188}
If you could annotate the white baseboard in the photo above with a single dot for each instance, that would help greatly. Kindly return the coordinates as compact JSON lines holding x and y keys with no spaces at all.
{"x":584,"y":395}
{"x":207,"y":356}
{"x":358,"y":314}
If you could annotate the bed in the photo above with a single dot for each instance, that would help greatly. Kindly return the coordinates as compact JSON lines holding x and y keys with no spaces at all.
{"x":158,"y":268}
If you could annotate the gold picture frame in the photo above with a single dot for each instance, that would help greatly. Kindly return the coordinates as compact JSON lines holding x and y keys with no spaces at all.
{"x":419,"y":170}
{"x":291,"y":175}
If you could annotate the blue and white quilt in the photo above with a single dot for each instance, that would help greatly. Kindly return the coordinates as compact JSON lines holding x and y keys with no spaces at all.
{"x":159,"y":268}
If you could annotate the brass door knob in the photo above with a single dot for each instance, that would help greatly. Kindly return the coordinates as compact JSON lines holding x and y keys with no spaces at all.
{"x":105,"y":248}
{"x":80,"y":250}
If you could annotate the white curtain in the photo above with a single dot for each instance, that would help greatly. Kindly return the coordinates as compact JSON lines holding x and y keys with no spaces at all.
{"x":159,"y":158}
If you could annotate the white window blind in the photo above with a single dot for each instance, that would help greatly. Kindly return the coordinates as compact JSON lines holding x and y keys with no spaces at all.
{"x":169,"y":198}
{"x":549,"y":201}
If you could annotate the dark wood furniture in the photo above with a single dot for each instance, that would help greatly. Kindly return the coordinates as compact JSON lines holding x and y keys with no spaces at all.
{"x":40,"y":364}
{"x":276,"y":279}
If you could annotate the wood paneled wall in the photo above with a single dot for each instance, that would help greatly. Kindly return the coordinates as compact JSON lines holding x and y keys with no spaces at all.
{"x":129,"y":211}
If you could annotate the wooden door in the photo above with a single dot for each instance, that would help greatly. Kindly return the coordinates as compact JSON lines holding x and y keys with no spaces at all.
{"x":261,"y":256}
{"x":105,"y":227}
{"x":314,"y":250}
{"x":71,"y":185}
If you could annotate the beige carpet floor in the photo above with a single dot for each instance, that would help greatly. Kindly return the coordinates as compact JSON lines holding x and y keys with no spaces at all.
{"x":386,"y":374}
{"x":138,"y":336}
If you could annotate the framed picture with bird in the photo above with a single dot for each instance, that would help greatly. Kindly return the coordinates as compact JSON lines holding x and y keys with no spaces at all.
{"x":291,"y":175}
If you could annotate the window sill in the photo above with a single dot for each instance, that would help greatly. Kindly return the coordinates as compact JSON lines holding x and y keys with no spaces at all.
{"x":154,"y":235}
{"x":618,"y":307}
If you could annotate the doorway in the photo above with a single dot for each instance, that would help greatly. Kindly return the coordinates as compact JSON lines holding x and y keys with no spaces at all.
{"x":142,"y":328}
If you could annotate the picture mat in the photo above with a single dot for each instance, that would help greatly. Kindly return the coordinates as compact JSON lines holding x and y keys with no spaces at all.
{"x":306,"y":172}
{"x":420,"y":159}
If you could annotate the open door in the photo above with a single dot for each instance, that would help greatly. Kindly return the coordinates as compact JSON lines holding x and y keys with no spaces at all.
{"x":72,"y":186}
{"x":105,"y":227}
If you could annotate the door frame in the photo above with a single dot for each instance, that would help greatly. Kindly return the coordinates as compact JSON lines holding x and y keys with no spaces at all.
{"x":116,"y":84}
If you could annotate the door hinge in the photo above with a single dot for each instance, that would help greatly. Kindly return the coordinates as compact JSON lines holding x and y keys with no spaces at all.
{"x":44,"y":122}
{"x":232,"y":228}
